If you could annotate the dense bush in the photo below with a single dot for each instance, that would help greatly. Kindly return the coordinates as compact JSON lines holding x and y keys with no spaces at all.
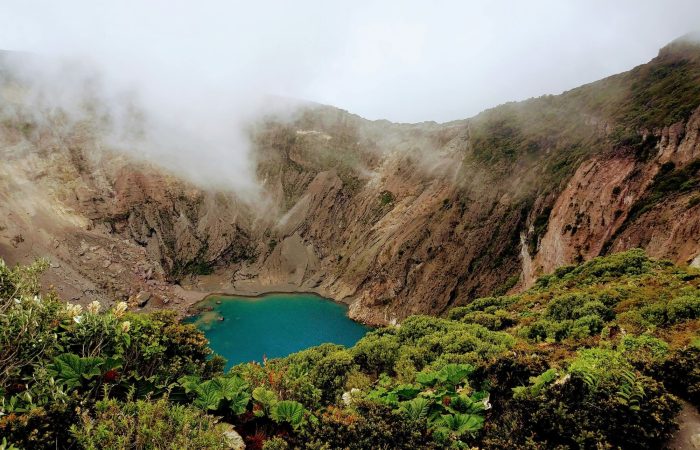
{"x":601,"y":269}
{"x":148,"y":425}
{"x":377,"y":352}
{"x":578,"y":412}
{"x":58,"y":359}
{"x":581,"y":360}
{"x":367,"y":425}
{"x":680,"y":372}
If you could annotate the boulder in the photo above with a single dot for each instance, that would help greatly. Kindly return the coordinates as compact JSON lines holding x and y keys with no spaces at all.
{"x":142,"y":298}
{"x":233,"y":439}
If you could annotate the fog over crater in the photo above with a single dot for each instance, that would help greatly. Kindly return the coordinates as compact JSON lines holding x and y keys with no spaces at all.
{"x":181,"y":82}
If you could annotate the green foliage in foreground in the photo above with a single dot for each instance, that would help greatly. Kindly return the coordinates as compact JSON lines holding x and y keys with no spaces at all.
{"x":593,"y":356}
{"x":157,"y":424}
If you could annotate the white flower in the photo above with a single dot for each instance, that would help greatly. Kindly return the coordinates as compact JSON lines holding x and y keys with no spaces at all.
{"x":77,"y":319}
{"x":94,"y":307}
{"x":120,"y":309}
{"x":73,"y":309}
{"x":486,"y":403}
{"x":350,"y":395}
{"x":36,"y":299}
{"x":125,"y":326}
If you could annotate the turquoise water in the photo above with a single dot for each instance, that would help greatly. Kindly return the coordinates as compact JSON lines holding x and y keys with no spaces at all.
{"x":273,"y":325}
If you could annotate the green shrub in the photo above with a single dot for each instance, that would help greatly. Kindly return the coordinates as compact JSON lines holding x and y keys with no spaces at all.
{"x":41,"y":427}
{"x":276,"y":443}
{"x":600,"y":269}
{"x":331,"y":372}
{"x":496,"y":321}
{"x":578,"y":361}
{"x":601,"y":402}
{"x":386,"y":197}
{"x":27,"y":320}
{"x":485,"y":304}
{"x":367,"y":425}
{"x":148,"y":425}
{"x":586,"y":326}
{"x":694,"y":201}
{"x":565,"y":307}
{"x":594,"y":308}
{"x":676,"y":310}
{"x":377,"y":352}
{"x":573,"y":414}
{"x":683,"y":308}
{"x":680,"y":372}
{"x":644,"y":350}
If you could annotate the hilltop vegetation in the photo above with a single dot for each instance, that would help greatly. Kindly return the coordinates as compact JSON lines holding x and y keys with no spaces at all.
{"x":551,"y":135}
{"x":593,"y":356}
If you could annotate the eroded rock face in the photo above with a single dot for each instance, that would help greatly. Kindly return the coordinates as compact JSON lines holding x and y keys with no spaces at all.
{"x":589,"y":210}
{"x":599,"y":209}
{"x":395,"y":219}
{"x":391,"y":232}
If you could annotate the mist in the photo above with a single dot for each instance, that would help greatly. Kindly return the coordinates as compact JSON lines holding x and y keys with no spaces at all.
{"x":199,"y":72}
{"x":405,"y":61}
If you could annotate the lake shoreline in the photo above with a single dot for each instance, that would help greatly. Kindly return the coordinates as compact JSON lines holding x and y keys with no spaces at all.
{"x":190,"y":310}
{"x":264,"y":294}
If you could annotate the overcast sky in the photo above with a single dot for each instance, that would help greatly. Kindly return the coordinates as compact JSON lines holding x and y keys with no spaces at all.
{"x":403,"y":60}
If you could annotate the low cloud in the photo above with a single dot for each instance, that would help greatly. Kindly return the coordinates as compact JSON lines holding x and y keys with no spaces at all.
{"x":180,"y":81}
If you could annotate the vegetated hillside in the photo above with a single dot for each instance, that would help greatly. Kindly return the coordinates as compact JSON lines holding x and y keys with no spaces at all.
{"x":592,"y":356}
{"x":396,"y":219}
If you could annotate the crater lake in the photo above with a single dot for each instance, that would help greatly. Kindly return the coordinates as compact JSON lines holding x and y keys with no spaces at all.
{"x":245,"y":329}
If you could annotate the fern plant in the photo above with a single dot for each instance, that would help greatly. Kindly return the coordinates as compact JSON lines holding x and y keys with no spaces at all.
{"x":631,"y":392}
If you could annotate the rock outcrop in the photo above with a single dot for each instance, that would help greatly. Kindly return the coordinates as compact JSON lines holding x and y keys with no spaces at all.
{"x":395,"y":219}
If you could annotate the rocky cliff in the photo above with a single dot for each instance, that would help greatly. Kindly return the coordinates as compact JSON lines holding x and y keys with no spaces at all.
{"x":395,"y":219}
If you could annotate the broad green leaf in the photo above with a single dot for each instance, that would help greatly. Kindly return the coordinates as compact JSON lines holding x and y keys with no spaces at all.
{"x":406,"y":391}
{"x":229,"y":386}
{"x":288,"y":411}
{"x":239,"y":402}
{"x":416,"y":409}
{"x":455,"y":373}
{"x":189,"y":383}
{"x":72,"y":370}
{"x":427,"y":378}
{"x":265,"y":397}
{"x":208,"y":396}
{"x":462,"y":423}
